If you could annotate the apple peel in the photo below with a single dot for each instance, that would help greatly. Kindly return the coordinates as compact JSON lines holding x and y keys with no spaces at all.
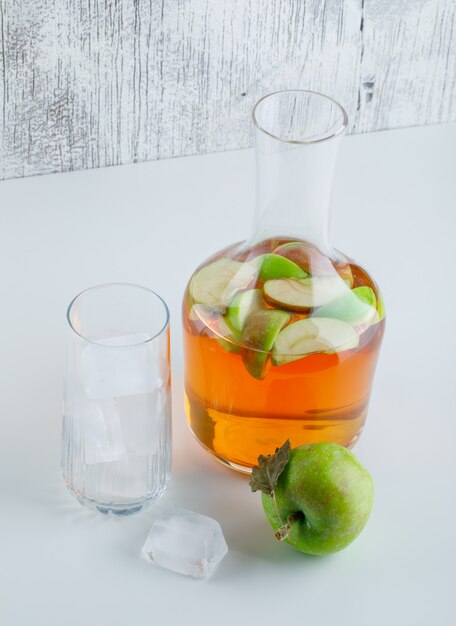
{"x":215,"y":284}
{"x":319,"y":500}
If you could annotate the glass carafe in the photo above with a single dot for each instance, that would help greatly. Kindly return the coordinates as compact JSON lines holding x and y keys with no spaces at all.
{"x":282,"y":332}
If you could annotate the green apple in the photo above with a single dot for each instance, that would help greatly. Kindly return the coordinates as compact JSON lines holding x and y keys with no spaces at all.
{"x":356,"y":307}
{"x":259,"y":333}
{"x":215,"y":284}
{"x":310,"y":335}
{"x":325,"y":494}
{"x":314,"y":262}
{"x":303,"y":295}
{"x":275,"y":266}
{"x":242,"y":305}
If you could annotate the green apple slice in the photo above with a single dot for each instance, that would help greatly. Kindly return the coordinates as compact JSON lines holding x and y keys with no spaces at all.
{"x":314,"y":262}
{"x":203,"y":313}
{"x":260,"y":331}
{"x":272,"y":266}
{"x":213,"y":319}
{"x":242,"y":305}
{"x":303,"y":295}
{"x":312,"y":335}
{"x":215,"y":284}
{"x":380,"y":307}
{"x":307,"y":256}
{"x":356,"y":307}
{"x":229,"y":340}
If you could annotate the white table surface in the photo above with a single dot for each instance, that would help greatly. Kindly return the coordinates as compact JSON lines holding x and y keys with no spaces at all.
{"x":60,"y":565}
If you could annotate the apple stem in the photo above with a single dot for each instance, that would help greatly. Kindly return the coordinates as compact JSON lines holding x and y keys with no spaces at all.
{"x":283,"y":532}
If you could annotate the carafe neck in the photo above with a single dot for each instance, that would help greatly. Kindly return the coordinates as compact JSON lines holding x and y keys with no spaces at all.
{"x":297,"y":136}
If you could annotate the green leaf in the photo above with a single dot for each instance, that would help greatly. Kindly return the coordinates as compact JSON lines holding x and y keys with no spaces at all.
{"x":266,"y":474}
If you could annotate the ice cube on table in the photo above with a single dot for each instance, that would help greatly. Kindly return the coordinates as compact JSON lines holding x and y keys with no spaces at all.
{"x":185,"y":542}
{"x":119,"y":366}
{"x":101,"y":431}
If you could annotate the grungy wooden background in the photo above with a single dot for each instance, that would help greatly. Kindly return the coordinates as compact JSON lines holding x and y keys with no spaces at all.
{"x":89,"y":83}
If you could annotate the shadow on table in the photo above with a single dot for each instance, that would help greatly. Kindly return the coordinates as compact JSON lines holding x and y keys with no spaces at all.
{"x":198,"y":483}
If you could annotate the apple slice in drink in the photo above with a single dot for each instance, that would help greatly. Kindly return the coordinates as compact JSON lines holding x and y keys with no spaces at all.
{"x":303,"y":295}
{"x":226,"y":337}
{"x":203,"y":313}
{"x":215,"y":284}
{"x":356,"y":307}
{"x":307,"y":256}
{"x":260,"y":331}
{"x":213,"y":319}
{"x":275,"y":266}
{"x":380,"y":307}
{"x":312,"y":335}
{"x":314,"y":262}
{"x":242,"y":305}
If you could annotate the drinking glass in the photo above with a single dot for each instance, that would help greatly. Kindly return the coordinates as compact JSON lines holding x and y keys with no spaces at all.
{"x":116,"y":436}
